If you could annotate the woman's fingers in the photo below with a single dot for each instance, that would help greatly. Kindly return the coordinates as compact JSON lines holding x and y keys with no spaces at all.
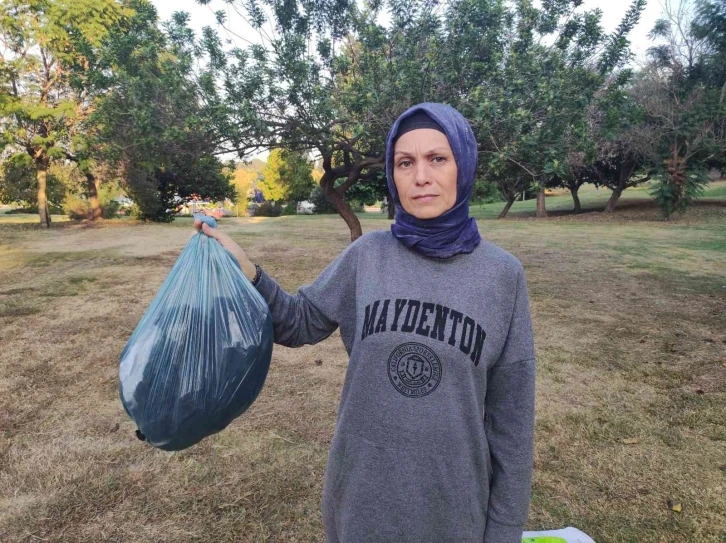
{"x":212,"y":232}
{"x":224,"y":239}
{"x":228,"y":243}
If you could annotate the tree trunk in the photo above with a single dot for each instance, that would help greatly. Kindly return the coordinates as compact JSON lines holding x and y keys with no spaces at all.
{"x":341,"y":206}
{"x":345,"y":211}
{"x":96,"y":211}
{"x":576,"y":199}
{"x":391,"y":209}
{"x":510,"y":201}
{"x":613,"y":201}
{"x":626,"y":170}
{"x":336,"y":195}
{"x":541,"y":208}
{"x":41,"y":168}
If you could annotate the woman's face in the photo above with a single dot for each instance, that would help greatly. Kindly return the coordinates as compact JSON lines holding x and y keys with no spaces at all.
{"x":424,"y":172}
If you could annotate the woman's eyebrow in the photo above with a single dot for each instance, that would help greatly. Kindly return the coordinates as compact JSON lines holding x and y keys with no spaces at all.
{"x":429,"y":152}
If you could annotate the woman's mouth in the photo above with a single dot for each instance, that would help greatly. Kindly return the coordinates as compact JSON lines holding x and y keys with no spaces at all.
{"x":425,"y":198}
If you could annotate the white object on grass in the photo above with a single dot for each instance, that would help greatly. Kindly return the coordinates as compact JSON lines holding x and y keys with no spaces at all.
{"x":566,"y":535}
{"x":305,"y":208}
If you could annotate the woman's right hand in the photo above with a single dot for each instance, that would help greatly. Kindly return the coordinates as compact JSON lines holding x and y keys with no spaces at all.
{"x":248,"y":268}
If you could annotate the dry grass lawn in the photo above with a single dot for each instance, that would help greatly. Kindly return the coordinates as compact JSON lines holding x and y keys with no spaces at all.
{"x":630,"y":324}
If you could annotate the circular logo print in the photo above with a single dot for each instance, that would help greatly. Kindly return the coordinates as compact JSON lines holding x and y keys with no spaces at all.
{"x":414,"y":370}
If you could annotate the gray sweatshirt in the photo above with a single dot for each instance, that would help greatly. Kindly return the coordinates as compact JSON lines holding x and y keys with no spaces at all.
{"x":434,"y":436}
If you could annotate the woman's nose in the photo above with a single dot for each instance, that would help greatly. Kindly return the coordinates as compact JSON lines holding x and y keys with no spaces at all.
{"x":422,"y":173}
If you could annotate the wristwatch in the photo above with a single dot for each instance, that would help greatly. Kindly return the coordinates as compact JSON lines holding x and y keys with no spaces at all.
{"x":258,"y":274}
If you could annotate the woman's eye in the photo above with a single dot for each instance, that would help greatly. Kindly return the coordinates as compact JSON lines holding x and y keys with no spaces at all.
{"x":439,"y":159}
{"x":404,"y":163}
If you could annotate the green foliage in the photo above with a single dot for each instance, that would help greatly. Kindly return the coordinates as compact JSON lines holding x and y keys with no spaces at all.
{"x":18,"y":183}
{"x":271,"y":184}
{"x":683,"y":108}
{"x":543,"y":85}
{"x":528,"y":101}
{"x":368,"y":192}
{"x":50,"y":67}
{"x":485,"y":192}
{"x":322,"y":205}
{"x":532,"y":115}
{"x":32,"y":210}
{"x":287,"y":176}
{"x":675,"y":192}
{"x":78,"y":207}
{"x":296,"y":174}
{"x":709,"y":26}
{"x":268,"y":209}
{"x":290,"y":209}
{"x":160,"y":123}
{"x":110,"y":210}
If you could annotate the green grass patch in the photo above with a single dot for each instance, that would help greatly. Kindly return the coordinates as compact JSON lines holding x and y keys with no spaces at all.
{"x":80,"y":279}
{"x":717,"y":244}
{"x":17,"y":308}
{"x":12,"y":291}
{"x":27,"y":218}
{"x":591,"y":199}
{"x":715,"y":190}
{"x":42,"y":260}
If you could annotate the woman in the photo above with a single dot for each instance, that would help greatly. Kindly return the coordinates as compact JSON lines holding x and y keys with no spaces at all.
{"x":434,"y":436}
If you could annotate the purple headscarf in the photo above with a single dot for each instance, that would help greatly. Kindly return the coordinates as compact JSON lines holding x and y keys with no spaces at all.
{"x":453,"y":232}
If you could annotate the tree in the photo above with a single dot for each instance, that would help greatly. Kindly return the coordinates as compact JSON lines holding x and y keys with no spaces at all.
{"x":18,"y":182}
{"x":709,"y":26}
{"x":327,"y":79}
{"x":287,"y":176}
{"x":532,"y":109}
{"x":273,"y":189}
{"x":46,"y":72}
{"x":244,"y":180}
{"x":372,"y":191}
{"x":296,"y":174}
{"x":621,"y":140}
{"x":684,"y":109}
{"x":159,"y":123}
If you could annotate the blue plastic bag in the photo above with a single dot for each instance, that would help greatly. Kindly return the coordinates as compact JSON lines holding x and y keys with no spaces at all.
{"x":200,"y":354}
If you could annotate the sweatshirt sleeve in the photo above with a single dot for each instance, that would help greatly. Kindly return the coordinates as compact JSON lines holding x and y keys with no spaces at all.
{"x":510,"y":426}
{"x":317,"y":309}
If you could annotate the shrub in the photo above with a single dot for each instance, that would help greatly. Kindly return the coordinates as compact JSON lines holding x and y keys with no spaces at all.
{"x":675,"y":190}
{"x":136,"y":213}
{"x":485,"y":193}
{"x":76,"y":207}
{"x":356,"y":206}
{"x":33,"y":210}
{"x":110,"y":209}
{"x":290,"y":209}
{"x":321,"y":202}
{"x":268,"y":209}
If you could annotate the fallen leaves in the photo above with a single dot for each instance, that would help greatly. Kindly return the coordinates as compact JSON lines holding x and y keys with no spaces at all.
{"x":676,"y":507}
